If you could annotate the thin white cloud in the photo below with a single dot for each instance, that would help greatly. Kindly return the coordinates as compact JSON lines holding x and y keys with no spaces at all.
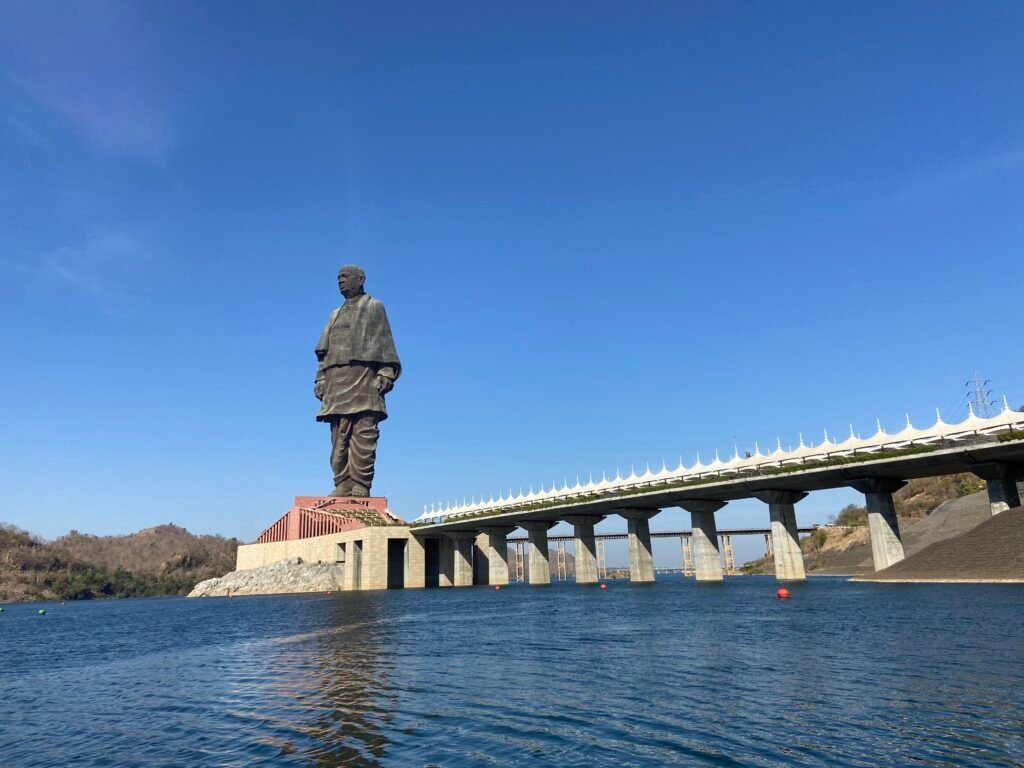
{"x":963,"y":172}
{"x":94,"y":69}
{"x":95,"y":269}
{"x":121,"y":123}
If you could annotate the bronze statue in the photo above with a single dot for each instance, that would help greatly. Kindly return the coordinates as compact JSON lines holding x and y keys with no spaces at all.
{"x":358,"y":367}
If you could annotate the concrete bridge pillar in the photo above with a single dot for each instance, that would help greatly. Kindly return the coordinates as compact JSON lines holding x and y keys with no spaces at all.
{"x":497,"y":554}
{"x":481,"y":559}
{"x":789,"y":560}
{"x":1001,"y":483}
{"x":446,"y":562}
{"x":538,"y":567}
{"x":462,"y":553}
{"x":585,"y":546}
{"x":707,"y":560}
{"x":641,"y":560}
{"x":883,"y":525}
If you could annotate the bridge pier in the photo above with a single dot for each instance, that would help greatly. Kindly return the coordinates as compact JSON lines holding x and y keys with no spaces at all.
{"x":1001,"y":484}
{"x":538,"y":564}
{"x":585,"y":546}
{"x":707,"y":559}
{"x":446,"y":562}
{"x":481,"y":560}
{"x":462,"y":557}
{"x":789,"y":560}
{"x":497,"y":554}
{"x":883,"y":525}
{"x":641,"y":560}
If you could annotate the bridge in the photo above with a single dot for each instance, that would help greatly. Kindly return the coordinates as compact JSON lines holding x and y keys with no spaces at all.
{"x":877,"y":466}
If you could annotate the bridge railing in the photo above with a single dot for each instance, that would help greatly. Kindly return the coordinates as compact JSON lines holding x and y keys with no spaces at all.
{"x":939,"y":433}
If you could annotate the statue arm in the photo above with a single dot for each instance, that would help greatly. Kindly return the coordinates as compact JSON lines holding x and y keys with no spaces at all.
{"x":319,"y":383}
{"x":386,"y":376}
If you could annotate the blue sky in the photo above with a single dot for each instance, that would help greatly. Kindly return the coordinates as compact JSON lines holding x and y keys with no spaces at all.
{"x":605,"y":233}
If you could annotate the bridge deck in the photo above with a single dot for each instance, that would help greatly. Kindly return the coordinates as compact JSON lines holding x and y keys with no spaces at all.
{"x":942,"y":461}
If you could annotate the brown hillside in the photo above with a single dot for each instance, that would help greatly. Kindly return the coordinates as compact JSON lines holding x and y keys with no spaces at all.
{"x":165,"y":560}
{"x":919,"y":497}
{"x":152,"y":550}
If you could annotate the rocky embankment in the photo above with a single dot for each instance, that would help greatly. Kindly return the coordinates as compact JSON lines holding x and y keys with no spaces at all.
{"x":849,"y":552}
{"x":285,"y":577}
{"x":990,"y":552}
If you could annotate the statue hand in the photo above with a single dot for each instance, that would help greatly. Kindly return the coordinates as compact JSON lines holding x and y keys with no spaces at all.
{"x":384,"y":385}
{"x":318,"y":390}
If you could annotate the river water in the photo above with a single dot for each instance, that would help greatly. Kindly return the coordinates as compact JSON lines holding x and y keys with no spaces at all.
{"x":676,"y":673}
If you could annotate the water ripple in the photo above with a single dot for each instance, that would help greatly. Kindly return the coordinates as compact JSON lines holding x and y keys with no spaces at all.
{"x":676,"y":674}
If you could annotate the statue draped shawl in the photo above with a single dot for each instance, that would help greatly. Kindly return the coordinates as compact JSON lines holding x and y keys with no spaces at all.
{"x":370,"y":340}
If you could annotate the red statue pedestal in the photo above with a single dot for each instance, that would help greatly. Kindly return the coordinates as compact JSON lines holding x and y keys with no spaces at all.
{"x":320,"y":515}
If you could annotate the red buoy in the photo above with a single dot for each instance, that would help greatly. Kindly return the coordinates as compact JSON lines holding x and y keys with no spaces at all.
{"x":497,"y":587}
{"x":604,"y":586}
{"x":782,"y":594}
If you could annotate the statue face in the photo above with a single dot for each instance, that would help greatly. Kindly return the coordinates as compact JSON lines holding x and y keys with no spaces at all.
{"x":350,"y":281}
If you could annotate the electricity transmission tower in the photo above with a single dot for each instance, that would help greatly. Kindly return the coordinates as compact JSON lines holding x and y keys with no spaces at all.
{"x":980,"y":396}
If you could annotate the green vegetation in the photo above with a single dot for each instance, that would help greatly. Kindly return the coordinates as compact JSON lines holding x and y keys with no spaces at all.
{"x":815,"y":541}
{"x":852,"y":516}
{"x":165,"y":560}
{"x":921,"y":496}
{"x":1013,"y":434}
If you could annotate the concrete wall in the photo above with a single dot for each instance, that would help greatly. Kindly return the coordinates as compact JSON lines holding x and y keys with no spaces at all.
{"x":324,"y":549}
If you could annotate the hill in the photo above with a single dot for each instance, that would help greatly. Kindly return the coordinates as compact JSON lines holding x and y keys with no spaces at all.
{"x":165,"y":560}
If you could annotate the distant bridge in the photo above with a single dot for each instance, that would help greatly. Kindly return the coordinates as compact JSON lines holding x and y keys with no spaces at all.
{"x":519,"y":543}
{"x":992,"y":448}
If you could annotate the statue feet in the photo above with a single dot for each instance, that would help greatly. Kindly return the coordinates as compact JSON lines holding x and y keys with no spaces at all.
{"x":350,"y":489}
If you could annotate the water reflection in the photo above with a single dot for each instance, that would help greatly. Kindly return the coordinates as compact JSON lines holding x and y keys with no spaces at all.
{"x":331,"y":683}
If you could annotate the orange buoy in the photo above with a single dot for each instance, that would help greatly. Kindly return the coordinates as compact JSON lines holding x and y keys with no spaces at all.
{"x":604,"y":586}
{"x":782,"y":594}
{"x":497,"y":587}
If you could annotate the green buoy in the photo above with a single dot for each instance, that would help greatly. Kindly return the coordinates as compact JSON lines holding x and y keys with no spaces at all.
{"x":41,"y":612}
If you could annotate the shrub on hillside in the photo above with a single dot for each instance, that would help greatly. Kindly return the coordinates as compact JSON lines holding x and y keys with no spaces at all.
{"x":853,"y":515}
{"x":924,"y":494}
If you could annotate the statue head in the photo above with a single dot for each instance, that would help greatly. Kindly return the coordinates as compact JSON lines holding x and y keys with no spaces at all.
{"x":350,"y":280}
